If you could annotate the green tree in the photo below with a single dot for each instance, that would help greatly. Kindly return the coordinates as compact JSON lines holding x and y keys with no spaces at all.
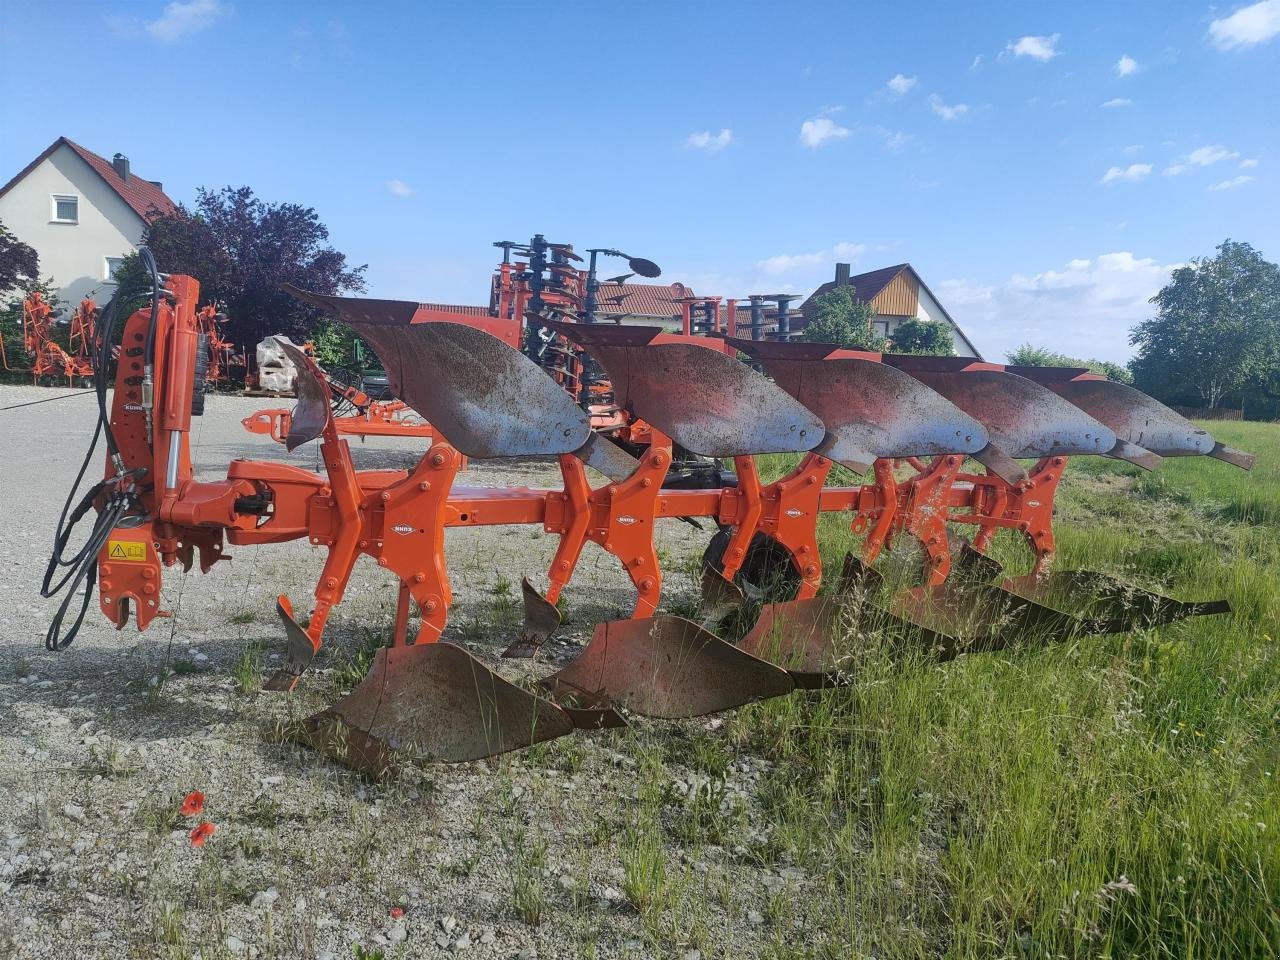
{"x":19,"y":275}
{"x":1217,"y":332}
{"x":241,"y":249}
{"x":923,"y":337}
{"x":839,"y":318}
{"x":19,"y":264}
{"x":1029,"y":356}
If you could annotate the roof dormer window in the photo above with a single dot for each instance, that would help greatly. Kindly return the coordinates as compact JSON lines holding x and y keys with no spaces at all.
{"x":64,"y":209}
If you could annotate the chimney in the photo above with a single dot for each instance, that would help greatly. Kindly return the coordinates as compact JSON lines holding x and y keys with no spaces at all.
{"x":842,"y":271}
{"x":120,"y":163}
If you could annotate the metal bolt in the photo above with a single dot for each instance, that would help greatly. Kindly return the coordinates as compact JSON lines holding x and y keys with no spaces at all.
{"x":148,"y":588}
{"x":106,"y":584}
{"x":646,"y":482}
{"x":362,"y":544}
{"x":385,"y":496}
{"x":437,"y":460}
{"x":424,"y":486}
{"x":429,"y":606}
{"x":646,"y":584}
{"x":419,"y":577}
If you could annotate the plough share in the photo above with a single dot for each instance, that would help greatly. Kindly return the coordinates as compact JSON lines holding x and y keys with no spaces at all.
{"x":912,"y":422}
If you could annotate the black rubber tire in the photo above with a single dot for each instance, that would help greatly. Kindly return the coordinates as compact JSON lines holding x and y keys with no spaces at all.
{"x":201,"y":371}
{"x":767,"y":566}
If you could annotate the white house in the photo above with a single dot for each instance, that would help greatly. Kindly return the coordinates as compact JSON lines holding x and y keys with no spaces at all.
{"x":82,"y":214}
{"x":896,"y":294}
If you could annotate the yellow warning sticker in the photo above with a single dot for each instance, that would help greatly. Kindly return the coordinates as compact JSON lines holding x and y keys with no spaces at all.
{"x":134,"y":551}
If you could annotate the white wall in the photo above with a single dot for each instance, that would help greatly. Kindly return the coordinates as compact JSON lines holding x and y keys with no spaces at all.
{"x":73,"y":254}
{"x":930,"y":310}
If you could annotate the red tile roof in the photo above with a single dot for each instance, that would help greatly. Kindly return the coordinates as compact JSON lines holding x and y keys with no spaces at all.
{"x":467,"y":309}
{"x":865,"y":285}
{"x":645,"y":299}
{"x":143,"y":197}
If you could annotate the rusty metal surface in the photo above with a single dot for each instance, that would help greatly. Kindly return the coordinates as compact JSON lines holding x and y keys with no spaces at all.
{"x":311,"y":412}
{"x":299,"y":651}
{"x":800,"y":636}
{"x":1107,"y":604}
{"x":666,"y":667}
{"x":706,"y":401}
{"x":484,"y":397}
{"x":872,"y":410}
{"x":604,"y":455}
{"x":1023,"y":418}
{"x":541,"y":620}
{"x":1237,"y":458}
{"x":358,"y":309}
{"x":431,"y":702}
{"x":1136,"y":417}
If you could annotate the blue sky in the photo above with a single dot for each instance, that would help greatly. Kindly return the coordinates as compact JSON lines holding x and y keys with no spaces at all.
{"x":1042,"y":165}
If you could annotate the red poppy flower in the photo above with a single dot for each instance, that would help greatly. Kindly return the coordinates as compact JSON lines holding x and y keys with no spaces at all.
{"x":192,"y":804}
{"x":201,"y":833}
{"x":397,"y":912}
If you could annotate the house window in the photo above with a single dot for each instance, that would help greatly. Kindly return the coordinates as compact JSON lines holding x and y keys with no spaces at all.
{"x":64,"y":209}
{"x":112,"y":265}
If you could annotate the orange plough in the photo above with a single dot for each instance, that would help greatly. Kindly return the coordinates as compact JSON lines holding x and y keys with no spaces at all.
{"x":913,"y":423}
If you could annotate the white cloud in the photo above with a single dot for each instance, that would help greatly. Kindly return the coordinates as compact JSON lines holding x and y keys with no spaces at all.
{"x":1043,"y":49}
{"x":1248,"y":164}
{"x":900,"y":84}
{"x":1133,"y":149}
{"x":946,"y":112}
{"x":1131,"y":174}
{"x":181,"y":19}
{"x":1204,"y":156}
{"x":785,"y":263}
{"x":1084,"y":309}
{"x":710,"y":142}
{"x":1233,"y":182}
{"x":1247,"y":26}
{"x":1126,"y":65}
{"x":1118,"y":102}
{"x":1201,"y":157}
{"x":977,"y":62}
{"x":814,"y":133}
{"x":399,"y":188}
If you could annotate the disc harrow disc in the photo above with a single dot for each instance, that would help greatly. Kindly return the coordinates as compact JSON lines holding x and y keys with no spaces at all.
{"x":666,"y":667}
{"x":431,"y":702}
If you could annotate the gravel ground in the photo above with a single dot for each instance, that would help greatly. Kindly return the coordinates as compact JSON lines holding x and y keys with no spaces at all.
{"x":99,"y":743}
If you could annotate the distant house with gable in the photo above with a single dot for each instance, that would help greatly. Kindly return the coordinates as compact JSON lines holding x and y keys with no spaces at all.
{"x":896,"y":294}
{"x":82,"y":213}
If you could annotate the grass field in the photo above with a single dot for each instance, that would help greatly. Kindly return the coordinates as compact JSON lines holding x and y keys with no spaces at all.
{"x":1116,"y":796}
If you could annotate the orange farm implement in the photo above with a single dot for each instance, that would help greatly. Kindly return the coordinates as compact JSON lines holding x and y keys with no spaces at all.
{"x":911,"y":422}
{"x":49,"y":360}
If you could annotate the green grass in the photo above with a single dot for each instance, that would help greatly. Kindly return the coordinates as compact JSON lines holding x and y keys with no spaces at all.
{"x":1114,"y":796}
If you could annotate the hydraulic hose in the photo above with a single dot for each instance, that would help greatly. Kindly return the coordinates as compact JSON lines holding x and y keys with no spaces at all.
{"x":82,"y":566}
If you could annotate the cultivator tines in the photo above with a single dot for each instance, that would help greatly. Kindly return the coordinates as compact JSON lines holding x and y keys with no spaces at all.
{"x":913,"y":421}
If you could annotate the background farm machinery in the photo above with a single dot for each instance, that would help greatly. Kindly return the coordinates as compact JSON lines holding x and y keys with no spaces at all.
{"x":910,"y":423}
{"x":50,"y":360}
